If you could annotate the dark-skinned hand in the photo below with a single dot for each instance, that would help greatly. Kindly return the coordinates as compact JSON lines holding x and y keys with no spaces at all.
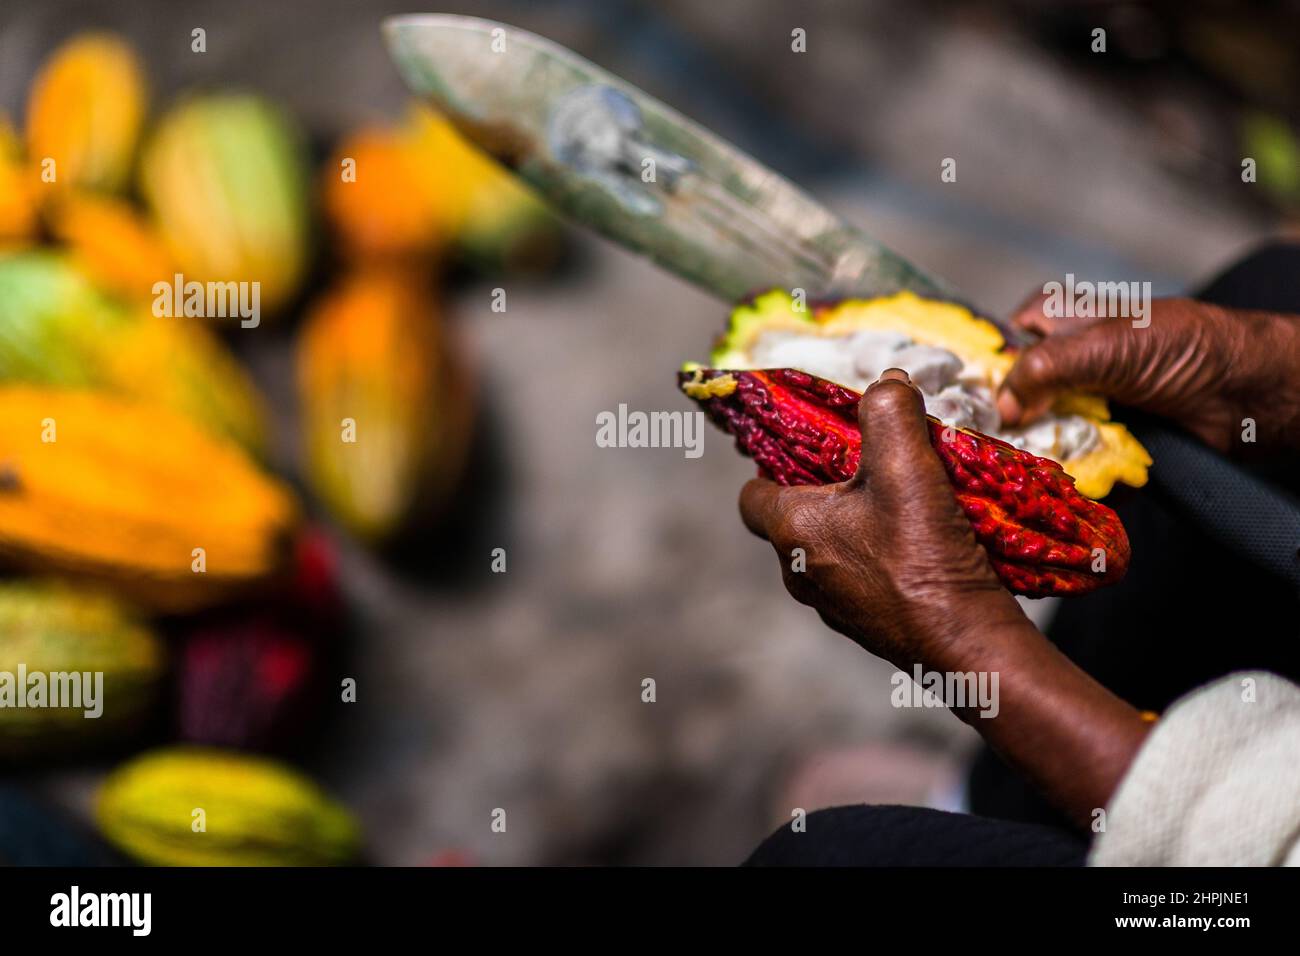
{"x":1205,"y":367}
{"x":892,"y":562}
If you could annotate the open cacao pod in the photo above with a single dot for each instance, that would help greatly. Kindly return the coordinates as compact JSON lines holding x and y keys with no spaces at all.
{"x":1044,"y":536}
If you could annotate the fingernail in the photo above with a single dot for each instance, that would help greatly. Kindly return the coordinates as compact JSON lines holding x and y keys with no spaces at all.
{"x":895,"y":375}
{"x":1008,"y":407}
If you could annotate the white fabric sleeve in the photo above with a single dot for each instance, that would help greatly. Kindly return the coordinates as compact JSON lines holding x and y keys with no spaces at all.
{"x":1217,"y":782}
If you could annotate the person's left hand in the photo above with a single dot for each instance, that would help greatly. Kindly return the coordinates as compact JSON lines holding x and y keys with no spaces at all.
{"x":891,"y":561}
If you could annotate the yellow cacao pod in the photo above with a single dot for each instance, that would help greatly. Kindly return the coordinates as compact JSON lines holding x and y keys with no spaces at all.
{"x":386,"y":409}
{"x":226,"y":179}
{"x":96,"y":667}
{"x":495,"y":219}
{"x":192,"y":806}
{"x":379,"y":201}
{"x":18,"y":193}
{"x":111,"y":242}
{"x":133,"y":495}
{"x":85,"y":111}
{"x":56,"y":328}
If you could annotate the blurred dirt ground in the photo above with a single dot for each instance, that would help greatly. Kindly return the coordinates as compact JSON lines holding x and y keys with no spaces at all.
{"x":522,"y":690}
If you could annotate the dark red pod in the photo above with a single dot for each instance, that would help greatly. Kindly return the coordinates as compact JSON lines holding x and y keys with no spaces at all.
{"x":246,"y":685}
{"x":1042,"y":536}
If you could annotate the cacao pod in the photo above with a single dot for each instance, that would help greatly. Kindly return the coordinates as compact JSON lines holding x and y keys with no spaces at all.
{"x":956,"y":359}
{"x":128,"y":493}
{"x":246,"y":685}
{"x":48,"y":629}
{"x":19,"y":221}
{"x":110,"y":242}
{"x":495,"y":220}
{"x":386,"y":410}
{"x":85,"y":112}
{"x":254,"y":812}
{"x":384,"y":205}
{"x":1041,"y":535}
{"x":226,"y":179}
{"x":56,"y":328}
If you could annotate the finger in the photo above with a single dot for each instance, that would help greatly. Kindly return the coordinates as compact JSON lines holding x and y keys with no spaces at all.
{"x":891,"y":417}
{"x":1090,"y":360}
{"x":1036,"y":314}
{"x":760,"y":506}
{"x":1029,"y":314}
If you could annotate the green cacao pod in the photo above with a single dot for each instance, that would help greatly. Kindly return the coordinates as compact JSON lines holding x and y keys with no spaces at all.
{"x":57,"y":328}
{"x":192,"y":806}
{"x":227,"y":180}
{"x":56,"y":640}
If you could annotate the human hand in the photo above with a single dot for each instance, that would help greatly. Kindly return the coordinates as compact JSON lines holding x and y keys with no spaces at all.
{"x":891,"y":561}
{"x":1205,"y":367}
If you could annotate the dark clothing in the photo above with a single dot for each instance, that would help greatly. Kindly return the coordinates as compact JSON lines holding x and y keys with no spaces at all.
{"x":916,"y":836}
{"x":1186,"y":612}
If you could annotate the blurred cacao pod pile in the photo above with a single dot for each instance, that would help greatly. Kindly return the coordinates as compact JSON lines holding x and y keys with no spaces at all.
{"x":151,"y":549}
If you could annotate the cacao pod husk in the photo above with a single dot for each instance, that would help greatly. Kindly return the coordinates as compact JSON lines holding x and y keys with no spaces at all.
{"x":123,"y":492}
{"x":112,"y":243}
{"x":255,"y":812}
{"x":1042,"y":536}
{"x":246,"y":685}
{"x":57,"y":328}
{"x":976,"y":343}
{"x":19,"y":205}
{"x":374,"y":353}
{"x":494,"y":219}
{"x":388,"y":207}
{"x":85,"y":111}
{"x":49,"y":628}
{"x":226,"y":179}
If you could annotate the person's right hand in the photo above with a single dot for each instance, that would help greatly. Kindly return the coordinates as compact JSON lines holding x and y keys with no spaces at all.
{"x":1205,"y":367}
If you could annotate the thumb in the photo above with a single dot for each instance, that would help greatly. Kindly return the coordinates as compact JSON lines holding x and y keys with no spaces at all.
{"x":1086,"y":360}
{"x":895,"y":434}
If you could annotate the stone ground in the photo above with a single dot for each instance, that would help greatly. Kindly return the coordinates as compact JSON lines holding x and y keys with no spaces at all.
{"x":522,"y":690}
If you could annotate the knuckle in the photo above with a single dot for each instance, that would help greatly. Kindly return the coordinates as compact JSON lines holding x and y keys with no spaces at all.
{"x":801,"y":523}
{"x":1036,"y":365}
{"x":888,"y":398}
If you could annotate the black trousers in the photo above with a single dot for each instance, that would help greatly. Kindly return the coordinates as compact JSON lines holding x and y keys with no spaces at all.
{"x":1185,"y":614}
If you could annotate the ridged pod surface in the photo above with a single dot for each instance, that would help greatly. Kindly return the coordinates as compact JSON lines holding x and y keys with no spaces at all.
{"x":255,"y":812}
{"x":1042,"y":537}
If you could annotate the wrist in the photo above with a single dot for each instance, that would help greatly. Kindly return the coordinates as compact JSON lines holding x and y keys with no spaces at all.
{"x":979,"y":631}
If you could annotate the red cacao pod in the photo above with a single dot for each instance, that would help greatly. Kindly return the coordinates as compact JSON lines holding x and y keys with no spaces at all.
{"x":247,"y":685}
{"x":1042,"y":536}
